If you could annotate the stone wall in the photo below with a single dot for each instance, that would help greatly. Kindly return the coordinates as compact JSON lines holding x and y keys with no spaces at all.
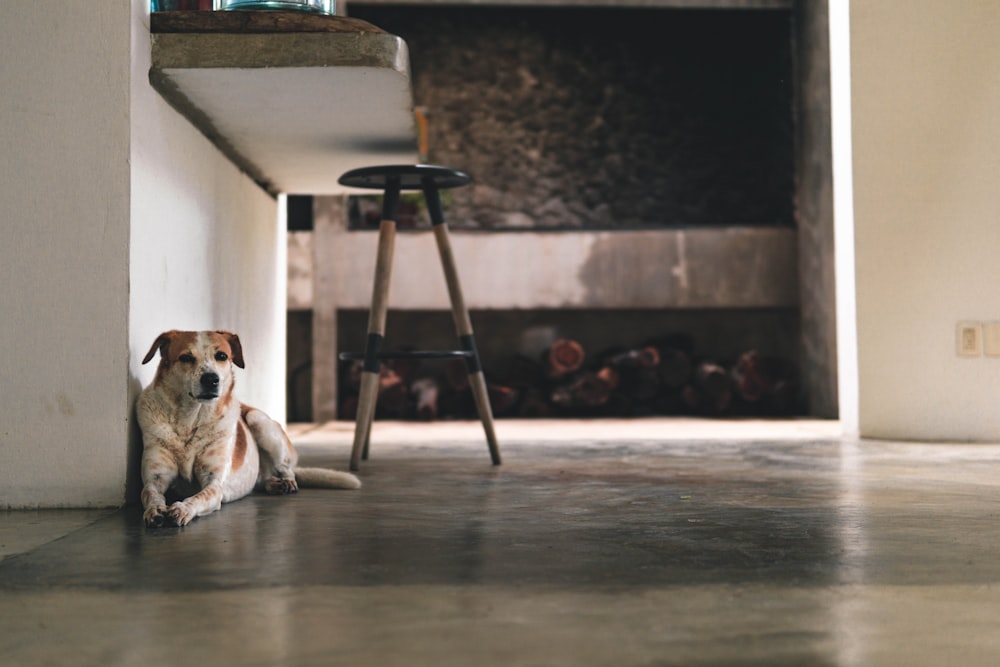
{"x":605,"y":118}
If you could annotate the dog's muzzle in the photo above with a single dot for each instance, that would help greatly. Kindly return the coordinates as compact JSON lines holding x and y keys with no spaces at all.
{"x":209,"y":383}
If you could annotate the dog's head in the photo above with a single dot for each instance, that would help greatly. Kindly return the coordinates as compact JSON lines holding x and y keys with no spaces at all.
{"x":197,"y":365}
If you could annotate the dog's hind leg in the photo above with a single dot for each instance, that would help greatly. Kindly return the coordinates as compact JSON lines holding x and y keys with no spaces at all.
{"x":278,"y":457}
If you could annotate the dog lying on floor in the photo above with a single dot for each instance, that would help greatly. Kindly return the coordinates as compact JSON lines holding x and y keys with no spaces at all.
{"x":202,"y":443}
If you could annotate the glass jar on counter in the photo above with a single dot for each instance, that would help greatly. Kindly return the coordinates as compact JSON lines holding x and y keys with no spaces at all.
{"x":315,"y":6}
{"x":181,"y":5}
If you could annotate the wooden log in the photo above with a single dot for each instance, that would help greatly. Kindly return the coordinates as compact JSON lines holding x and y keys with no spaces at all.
{"x":711,"y":392}
{"x":348,"y":409}
{"x":562,"y":397}
{"x":637,"y":372}
{"x":454,"y":404}
{"x":425,"y":391}
{"x":589,"y":390}
{"x":564,"y":357}
{"x":691,"y":399}
{"x":456,"y":373}
{"x":585,"y":391}
{"x":766,"y":384}
{"x":523,"y":372}
{"x":642,"y":357}
{"x":534,"y":404}
{"x":675,"y":368}
{"x":503,"y":399}
{"x":393,"y":395}
{"x":644,"y":384}
{"x":408,"y":369}
{"x":749,"y":378}
{"x":711,"y":379}
{"x":352,"y":375}
{"x":660,"y":377}
{"x":610,"y":376}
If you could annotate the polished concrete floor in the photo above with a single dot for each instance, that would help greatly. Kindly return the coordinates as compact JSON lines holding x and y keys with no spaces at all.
{"x":650,"y":542}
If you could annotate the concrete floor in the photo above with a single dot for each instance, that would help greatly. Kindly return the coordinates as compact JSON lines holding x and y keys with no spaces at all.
{"x":649,"y":542}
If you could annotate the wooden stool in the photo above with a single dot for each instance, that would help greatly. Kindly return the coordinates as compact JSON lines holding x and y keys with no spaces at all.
{"x":392,"y":180}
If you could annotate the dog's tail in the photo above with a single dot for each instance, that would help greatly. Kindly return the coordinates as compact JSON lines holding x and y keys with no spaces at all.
{"x":324,"y":478}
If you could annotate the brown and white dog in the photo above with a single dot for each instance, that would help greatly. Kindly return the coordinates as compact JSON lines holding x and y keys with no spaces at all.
{"x":203,"y":444}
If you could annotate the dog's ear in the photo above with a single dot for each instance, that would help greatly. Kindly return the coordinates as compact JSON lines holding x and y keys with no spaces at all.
{"x":160,"y":344}
{"x":235,"y":346}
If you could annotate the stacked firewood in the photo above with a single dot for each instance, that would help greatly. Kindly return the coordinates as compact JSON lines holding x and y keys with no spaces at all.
{"x":661,"y":377}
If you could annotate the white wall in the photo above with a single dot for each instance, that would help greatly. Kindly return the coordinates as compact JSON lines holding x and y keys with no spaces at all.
{"x":926,"y":141}
{"x":843,"y":214}
{"x":207,"y":246}
{"x":119,"y":220}
{"x":64,"y":227}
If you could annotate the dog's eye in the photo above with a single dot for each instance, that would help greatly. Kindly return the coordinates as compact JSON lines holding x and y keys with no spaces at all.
{"x":221,"y":356}
{"x":186,"y":358}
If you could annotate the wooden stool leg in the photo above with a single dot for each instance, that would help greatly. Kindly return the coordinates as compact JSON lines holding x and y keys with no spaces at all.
{"x":477,"y":382}
{"x":368,"y":394}
{"x":463,"y":325}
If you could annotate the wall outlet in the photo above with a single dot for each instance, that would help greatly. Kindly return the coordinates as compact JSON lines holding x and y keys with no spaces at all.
{"x":991,"y":339}
{"x":969,"y":337}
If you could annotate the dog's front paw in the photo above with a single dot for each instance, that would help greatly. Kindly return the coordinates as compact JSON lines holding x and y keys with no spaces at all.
{"x":179,"y":514}
{"x":155,"y":516}
{"x":281,"y":485}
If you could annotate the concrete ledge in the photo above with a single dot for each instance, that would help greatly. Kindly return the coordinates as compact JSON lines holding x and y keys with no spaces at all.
{"x":293,"y":110}
{"x":734,"y":267}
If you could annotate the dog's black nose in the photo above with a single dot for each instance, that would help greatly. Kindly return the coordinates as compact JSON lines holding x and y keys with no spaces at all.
{"x":210,"y":380}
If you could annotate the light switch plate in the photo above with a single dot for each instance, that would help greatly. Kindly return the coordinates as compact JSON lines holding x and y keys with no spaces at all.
{"x":969,"y":339}
{"x":991,"y":339}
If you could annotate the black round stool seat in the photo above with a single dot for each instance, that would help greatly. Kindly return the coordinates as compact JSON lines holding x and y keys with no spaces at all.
{"x":411,"y":177}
